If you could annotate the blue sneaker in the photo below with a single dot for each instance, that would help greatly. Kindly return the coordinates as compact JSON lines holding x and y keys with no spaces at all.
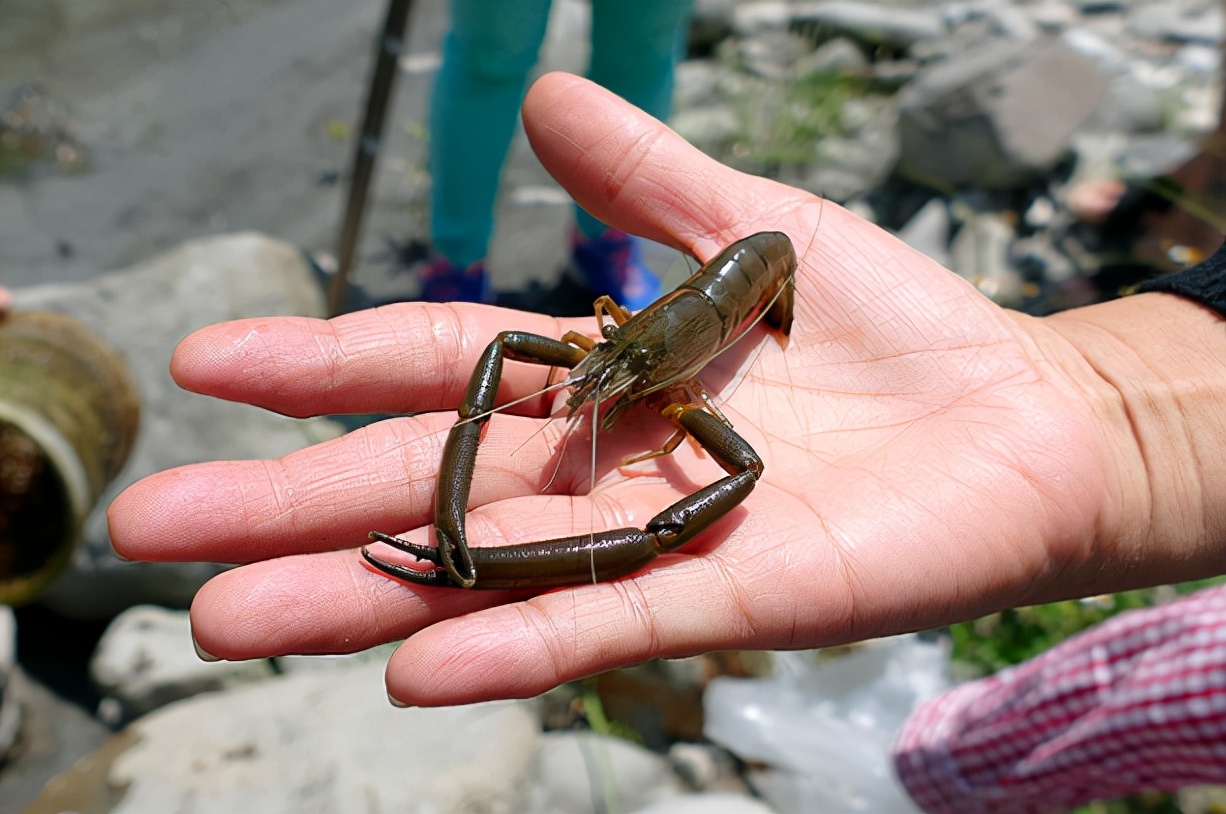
{"x":443,"y":281}
{"x":612,"y":264}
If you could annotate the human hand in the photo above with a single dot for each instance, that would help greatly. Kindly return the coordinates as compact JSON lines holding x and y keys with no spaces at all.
{"x":929,"y":456}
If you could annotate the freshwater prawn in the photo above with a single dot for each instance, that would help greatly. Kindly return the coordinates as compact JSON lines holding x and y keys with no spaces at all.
{"x":652,"y":357}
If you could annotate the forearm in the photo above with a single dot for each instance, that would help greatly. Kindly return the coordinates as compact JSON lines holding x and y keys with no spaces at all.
{"x":1154,"y":368}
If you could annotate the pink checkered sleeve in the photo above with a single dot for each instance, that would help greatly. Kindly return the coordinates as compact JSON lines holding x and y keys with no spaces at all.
{"x":1138,"y":702}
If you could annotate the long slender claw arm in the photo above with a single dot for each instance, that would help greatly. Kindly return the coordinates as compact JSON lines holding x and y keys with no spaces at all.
{"x":460,"y":451}
{"x":611,"y":554}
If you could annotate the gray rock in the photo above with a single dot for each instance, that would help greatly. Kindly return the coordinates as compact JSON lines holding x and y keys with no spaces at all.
{"x":873,"y":22}
{"x":54,"y":736}
{"x":1101,"y":6}
{"x":1129,"y":107}
{"x":1171,"y":21}
{"x":146,"y":660}
{"x":971,"y":119}
{"x":580,"y":772}
{"x":73,"y":16}
{"x":325,"y":743}
{"x":1012,"y":22}
{"x":10,"y":712}
{"x":200,"y":283}
{"x":1153,"y":155}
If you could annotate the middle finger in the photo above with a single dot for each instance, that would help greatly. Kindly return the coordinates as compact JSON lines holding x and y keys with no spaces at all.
{"x":326,"y":497}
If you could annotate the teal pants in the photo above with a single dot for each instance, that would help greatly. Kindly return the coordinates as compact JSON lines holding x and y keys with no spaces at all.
{"x":492,"y":46}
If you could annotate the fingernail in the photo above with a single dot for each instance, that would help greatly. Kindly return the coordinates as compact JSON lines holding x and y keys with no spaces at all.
{"x":396,"y":702}
{"x":202,"y":653}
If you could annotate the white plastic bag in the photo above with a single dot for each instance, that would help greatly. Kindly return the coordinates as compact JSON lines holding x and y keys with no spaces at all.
{"x":825,"y":724}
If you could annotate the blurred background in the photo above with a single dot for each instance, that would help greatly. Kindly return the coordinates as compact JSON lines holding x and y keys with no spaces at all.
{"x":165,"y":165}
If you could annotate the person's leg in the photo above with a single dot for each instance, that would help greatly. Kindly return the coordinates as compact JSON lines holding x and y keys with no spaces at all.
{"x":635,"y":48}
{"x":487,"y":55}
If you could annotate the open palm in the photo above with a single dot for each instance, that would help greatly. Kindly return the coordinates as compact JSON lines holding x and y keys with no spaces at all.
{"x":924,"y":461}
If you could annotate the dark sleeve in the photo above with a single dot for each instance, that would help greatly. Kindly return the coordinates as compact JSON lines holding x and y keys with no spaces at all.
{"x":1205,"y":282}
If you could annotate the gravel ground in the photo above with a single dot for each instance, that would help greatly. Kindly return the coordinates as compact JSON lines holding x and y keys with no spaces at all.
{"x":199,"y":118}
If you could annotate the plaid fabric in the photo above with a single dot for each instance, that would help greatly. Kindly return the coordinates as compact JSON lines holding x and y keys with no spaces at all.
{"x":1136,"y":703}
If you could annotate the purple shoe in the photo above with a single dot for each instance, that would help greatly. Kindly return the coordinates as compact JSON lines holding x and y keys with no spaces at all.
{"x":443,"y":281}
{"x":612,"y":264}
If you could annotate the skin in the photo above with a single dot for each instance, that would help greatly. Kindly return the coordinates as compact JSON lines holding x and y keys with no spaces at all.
{"x":929,"y":456}
{"x":6,"y":301}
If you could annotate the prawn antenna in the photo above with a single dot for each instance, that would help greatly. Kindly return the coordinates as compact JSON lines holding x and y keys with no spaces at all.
{"x":591,"y":483}
{"x":547,"y":389}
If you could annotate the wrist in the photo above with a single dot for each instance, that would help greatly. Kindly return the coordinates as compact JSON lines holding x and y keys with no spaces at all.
{"x":1153,"y":367}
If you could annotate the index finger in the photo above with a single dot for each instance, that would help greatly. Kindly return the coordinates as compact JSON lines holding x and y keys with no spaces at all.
{"x":408,"y":357}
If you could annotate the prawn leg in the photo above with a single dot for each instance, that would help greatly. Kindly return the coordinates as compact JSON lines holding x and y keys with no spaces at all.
{"x":455,"y":476}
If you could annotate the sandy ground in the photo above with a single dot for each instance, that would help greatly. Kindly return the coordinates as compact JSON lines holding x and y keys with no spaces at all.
{"x":203,"y":117}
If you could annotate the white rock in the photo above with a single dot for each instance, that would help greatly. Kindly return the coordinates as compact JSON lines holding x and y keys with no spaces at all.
{"x":760,"y":16}
{"x":928,"y":231}
{"x":970,"y":120}
{"x":1200,"y":60}
{"x":980,"y":255}
{"x":8,"y":641}
{"x":1053,"y":15}
{"x":1169,"y":21}
{"x":705,"y":767}
{"x":146,"y":660}
{"x":581,"y":772}
{"x":328,"y":743}
{"x":1109,"y":56}
{"x":709,"y":804}
{"x":874,"y":22}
